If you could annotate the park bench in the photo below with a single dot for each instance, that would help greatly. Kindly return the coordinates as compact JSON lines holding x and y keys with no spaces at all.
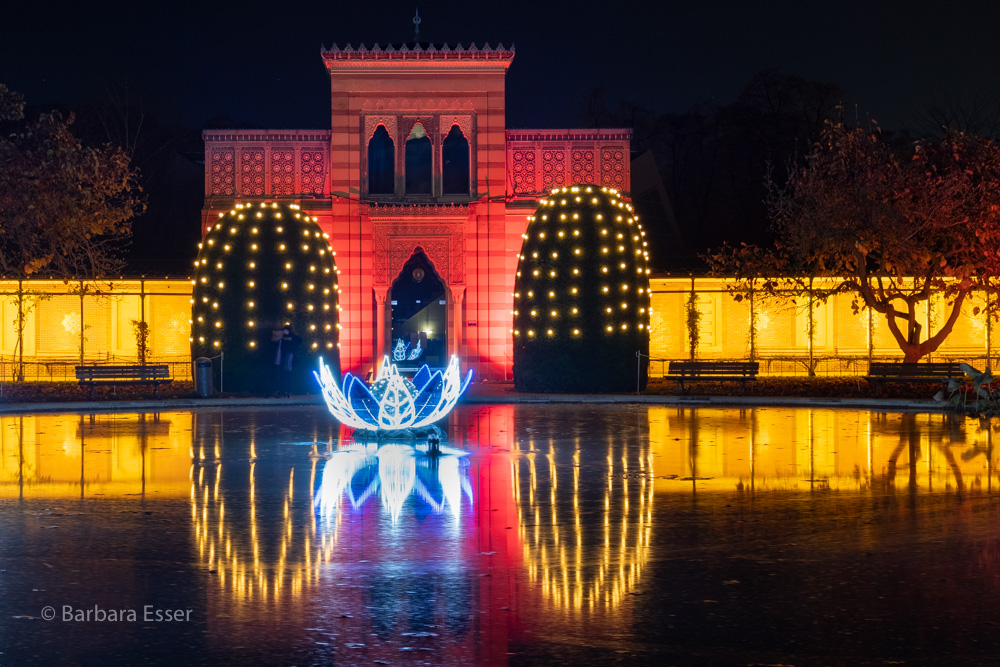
{"x":881,"y":372}
{"x":92,"y":376}
{"x":712,"y":371}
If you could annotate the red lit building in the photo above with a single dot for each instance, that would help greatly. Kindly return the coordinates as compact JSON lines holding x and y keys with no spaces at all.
{"x":423,"y":190}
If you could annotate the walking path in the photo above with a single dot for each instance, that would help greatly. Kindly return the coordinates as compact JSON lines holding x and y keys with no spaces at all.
{"x":489,"y":393}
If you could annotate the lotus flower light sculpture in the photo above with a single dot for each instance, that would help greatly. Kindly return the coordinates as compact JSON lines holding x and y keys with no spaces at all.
{"x":393,"y":403}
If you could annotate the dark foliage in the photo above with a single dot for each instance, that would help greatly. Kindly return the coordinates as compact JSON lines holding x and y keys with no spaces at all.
{"x":581,"y":295}
{"x":714,"y":158}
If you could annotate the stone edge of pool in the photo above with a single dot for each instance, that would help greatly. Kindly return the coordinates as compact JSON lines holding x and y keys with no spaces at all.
{"x":892,"y":405}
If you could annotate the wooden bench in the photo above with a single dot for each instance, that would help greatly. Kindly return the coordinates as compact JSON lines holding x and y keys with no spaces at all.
{"x":92,"y":376}
{"x":880,"y":372}
{"x":712,"y":371}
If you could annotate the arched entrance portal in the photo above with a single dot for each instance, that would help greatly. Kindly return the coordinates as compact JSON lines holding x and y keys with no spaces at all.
{"x":419,"y":307}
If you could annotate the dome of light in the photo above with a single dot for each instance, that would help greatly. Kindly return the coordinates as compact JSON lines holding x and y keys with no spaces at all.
{"x":581,"y":293}
{"x":262,"y":267}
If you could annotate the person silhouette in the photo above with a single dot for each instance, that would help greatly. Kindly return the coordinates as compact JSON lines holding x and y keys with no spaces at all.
{"x":284,"y":360}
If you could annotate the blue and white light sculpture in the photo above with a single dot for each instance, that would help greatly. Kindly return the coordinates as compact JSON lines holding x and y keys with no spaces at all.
{"x":403,"y":352}
{"x":393,"y":403}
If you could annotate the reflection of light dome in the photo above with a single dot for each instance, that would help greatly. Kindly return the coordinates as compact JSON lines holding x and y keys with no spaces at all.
{"x":394,"y":403}
{"x":399,"y":472}
{"x":613,"y":520}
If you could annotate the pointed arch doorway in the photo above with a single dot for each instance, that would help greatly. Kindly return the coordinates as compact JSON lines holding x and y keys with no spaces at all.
{"x":418,"y":300}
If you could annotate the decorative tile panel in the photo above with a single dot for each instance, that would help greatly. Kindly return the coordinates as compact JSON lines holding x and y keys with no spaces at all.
{"x":252,"y":172}
{"x":613,"y":168}
{"x":313,"y":171}
{"x":282,"y":171}
{"x":223,"y":171}
{"x":523,"y":178}
{"x":553,"y":169}
{"x":583,"y":166}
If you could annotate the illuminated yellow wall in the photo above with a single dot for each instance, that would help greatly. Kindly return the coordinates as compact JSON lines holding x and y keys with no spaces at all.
{"x":58,"y":322}
{"x":840,"y":346}
{"x":841,"y":339}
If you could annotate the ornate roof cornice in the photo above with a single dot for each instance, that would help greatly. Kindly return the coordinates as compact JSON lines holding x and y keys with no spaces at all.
{"x":406,"y":55}
{"x":610,"y":134}
{"x":396,"y":211}
{"x":224,"y":135}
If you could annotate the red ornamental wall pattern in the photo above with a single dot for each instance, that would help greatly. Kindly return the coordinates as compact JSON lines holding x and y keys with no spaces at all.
{"x":313,"y":171}
{"x":394,"y":243}
{"x":224,"y":171}
{"x":372,"y":122}
{"x":583,"y":166}
{"x":282,"y":171}
{"x":464,"y":123}
{"x":252,"y":172}
{"x":613,"y":168}
{"x":523,"y":168}
{"x":553,"y":168}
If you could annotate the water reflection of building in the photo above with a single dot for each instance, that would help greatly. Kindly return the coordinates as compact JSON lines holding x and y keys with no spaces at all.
{"x":800,"y":449}
{"x":82,"y":456}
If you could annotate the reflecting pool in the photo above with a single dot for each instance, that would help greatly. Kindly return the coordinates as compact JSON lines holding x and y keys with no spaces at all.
{"x":538,"y":535}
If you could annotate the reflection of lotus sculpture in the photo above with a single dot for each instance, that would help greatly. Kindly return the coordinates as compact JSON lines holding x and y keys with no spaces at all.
{"x":393,"y":403}
{"x":394,"y":471}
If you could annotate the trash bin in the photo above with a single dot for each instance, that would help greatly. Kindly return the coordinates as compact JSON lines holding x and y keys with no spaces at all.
{"x":203,"y":377}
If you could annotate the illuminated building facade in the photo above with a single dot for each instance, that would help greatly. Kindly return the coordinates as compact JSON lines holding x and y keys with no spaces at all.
{"x":59,"y":322}
{"x":423,"y":191}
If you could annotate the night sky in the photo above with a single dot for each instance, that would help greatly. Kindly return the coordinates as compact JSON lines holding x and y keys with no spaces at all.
{"x":260,"y":64}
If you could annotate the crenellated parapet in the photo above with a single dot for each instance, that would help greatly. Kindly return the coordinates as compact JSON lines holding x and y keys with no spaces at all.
{"x":540,"y":160}
{"x":417,"y":50}
{"x":413,"y":56}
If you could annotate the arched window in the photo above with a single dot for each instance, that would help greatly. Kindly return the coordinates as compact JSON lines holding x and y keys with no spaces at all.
{"x":455,"y":167}
{"x":381,"y":163}
{"x":418,"y":162}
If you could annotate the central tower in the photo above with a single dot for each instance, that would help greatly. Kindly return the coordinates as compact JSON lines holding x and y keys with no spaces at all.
{"x":418,"y":172}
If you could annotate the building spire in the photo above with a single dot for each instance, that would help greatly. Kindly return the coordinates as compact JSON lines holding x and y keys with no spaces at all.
{"x":416,"y":26}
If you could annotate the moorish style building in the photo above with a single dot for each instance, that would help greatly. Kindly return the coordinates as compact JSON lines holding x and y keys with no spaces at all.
{"x":423,"y":190}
